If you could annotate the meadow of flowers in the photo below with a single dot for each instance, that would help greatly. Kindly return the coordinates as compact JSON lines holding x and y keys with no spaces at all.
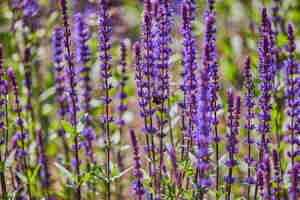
{"x":149,"y":100}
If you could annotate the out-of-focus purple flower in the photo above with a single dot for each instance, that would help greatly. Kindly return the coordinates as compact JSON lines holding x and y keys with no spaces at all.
{"x":210,"y":4}
{"x":3,"y":94}
{"x":267,"y":178}
{"x":277,"y":178}
{"x":29,"y":7}
{"x":121,"y":108}
{"x":172,"y":154}
{"x":294,"y":189}
{"x":260,"y":181}
{"x":43,"y":160}
{"x":121,"y":95}
{"x":138,"y":187}
{"x":292,"y":92}
{"x":4,"y":135}
{"x":276,"y":18}
{"x":28,"y":77}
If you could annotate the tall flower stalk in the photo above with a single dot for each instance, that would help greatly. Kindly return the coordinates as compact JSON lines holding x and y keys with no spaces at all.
{"x":249,"y":124}
{"x":210,"y":61}
{"x":277,"y":174}
{"x":83,"y":56}
{"x":22,"y":136}
{"x":268,"y":194}
{"x":122,"y":108}
{"x":60,"y":78}
{"x":266,"y":86}
{"x":138,"y":187}
{"x":203,"y":136}
{"x":162,"y":57}
{"x":142,"y":102}
{"x":43,"y":160}
{"x":190,"y":65}
{"x":149,"y":76}
{"x":293,"y":97}
{"x":28,"y":81}
{"x":3,"y":138}
{"x":105,"y":45}
{"x":294,"y":189}
{"x":232,"y":140}
{"x":72,"y":94}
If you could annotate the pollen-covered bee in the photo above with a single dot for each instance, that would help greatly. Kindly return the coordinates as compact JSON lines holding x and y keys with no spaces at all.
{"x":157,"y":99}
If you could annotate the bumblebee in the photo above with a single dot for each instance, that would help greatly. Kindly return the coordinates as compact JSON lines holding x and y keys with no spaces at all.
{"x":156,"y":99}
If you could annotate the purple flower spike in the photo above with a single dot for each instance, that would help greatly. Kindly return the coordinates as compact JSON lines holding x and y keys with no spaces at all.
{"x":250,"y":115}
{"x":60,"y":79}
{"x":162,"y":65}
{"x":267,"y":178}
{"x":28,"y":78}
{"x":29,"y":7}
{"x":83,"y":55}
{"x":209,"y":60}
{"x":43,"y":160}
{"x":3,"y":120}
{"x":276,"y":18}
{"x":277,"y":173}
{"x":142,"y":101}
{"x":203,"y":132}
{"x":292,"y":92}
{"x":72,"y":93}
{"x":148,"y":70}
{"x":105,"y":31}
{"x":265,"y":86}
{"x":190,"y":65}
{"x":138,"y":187}
{"x":294,"y":189}
{"x":122,"y":107}
{"x":232,"y":140}
{"x":21,"y":152}
{"x":121,"y":95}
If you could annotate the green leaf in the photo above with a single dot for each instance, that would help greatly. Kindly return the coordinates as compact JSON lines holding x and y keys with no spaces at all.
{"x":2,"y":166}
{"x":33,"y":176}
{"x":101,"y":175}
{"x":64,"y":171}
{"x":22,"y":177}
{"x":121,"y":174}
{"x":86,"y":177}
{"x":69,"y":128}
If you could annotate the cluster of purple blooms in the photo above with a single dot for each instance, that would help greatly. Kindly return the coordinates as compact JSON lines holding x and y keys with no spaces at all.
{"x":196,"y":158}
